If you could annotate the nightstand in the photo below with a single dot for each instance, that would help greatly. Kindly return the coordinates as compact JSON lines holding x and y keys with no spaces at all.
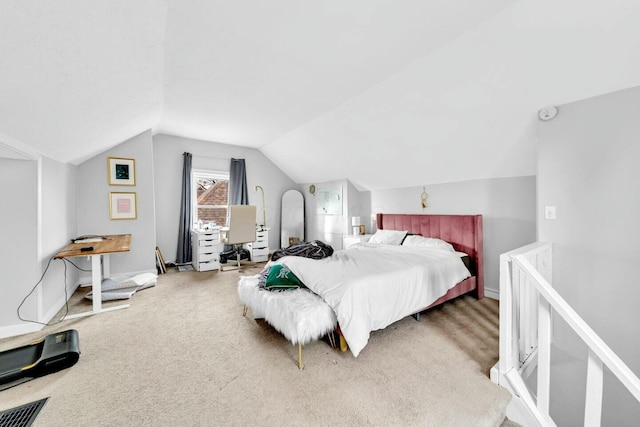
{"x":350,"y":239}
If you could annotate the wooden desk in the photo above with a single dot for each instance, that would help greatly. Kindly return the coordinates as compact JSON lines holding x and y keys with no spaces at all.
{"x":100,"y":252}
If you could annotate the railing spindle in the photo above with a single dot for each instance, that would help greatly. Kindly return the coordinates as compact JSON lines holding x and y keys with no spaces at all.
{"x":593,"y":402}
{"x":506,"y":315}
{"x":544,"y":355}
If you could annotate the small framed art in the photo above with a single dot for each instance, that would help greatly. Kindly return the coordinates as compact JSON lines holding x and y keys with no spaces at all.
{"x":123,"y":206}
{"x":121,"y":171}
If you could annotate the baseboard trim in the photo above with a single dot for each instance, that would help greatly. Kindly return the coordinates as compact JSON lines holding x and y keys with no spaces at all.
{"x":15,"y":330}
{"x":27,"y":327}
{"x":490,"y":293}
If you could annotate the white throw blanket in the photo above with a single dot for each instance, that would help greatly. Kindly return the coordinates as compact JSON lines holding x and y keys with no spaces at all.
{"x":370,"y":286}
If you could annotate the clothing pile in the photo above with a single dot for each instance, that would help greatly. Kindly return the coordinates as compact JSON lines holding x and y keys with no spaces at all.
{"x":278,"y":277}
{"x":313,"y":250}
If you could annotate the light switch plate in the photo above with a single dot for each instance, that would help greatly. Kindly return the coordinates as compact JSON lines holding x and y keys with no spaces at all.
{"x":549,"y":212}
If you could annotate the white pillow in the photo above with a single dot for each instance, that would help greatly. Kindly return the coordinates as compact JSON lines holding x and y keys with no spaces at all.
{"x":388,"y":237}
{"x":427,"y":242}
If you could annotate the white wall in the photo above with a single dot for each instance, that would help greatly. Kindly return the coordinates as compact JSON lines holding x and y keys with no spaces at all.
{"x":18,"y":251}
{"x":508,"y":206}
{"x":167,"y":158}
{"x":587,"y":168}
{"x":58,"y":226}
{"x":93,"y":204}
{"x":37,"y":219}
{"x":326,"y":228}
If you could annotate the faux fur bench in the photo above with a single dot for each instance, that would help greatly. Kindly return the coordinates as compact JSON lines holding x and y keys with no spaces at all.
{"x":298,"y":314}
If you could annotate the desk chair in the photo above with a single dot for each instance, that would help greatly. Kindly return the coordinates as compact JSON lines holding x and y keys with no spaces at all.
{"x":242,"y":229}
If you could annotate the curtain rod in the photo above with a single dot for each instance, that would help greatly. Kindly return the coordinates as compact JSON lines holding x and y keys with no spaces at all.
{"x":213,"y":157}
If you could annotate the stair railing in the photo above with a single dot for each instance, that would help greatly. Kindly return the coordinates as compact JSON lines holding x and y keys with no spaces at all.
{"x":527,"y":301}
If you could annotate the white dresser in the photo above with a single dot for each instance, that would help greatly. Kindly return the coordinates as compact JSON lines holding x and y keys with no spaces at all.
{"x":260,"y":248}
{"x":350,"y":239}
{"x":206,"y":249}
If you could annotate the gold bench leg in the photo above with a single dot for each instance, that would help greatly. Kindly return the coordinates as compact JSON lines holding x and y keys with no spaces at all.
{"x":300,"y":365}
{"x":244,"y":310}
{"x":343,"y":344}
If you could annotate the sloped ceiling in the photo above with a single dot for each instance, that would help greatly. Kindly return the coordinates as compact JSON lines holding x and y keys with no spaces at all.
{"x":384,"y":93}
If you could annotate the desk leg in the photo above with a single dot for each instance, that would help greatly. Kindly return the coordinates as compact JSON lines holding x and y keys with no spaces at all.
{"x":106,"y":266}
{"x":96,"y":282}
{"x":96,"y":287}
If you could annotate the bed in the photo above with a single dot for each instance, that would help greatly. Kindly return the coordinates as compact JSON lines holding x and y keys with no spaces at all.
{"x":355,"y":304}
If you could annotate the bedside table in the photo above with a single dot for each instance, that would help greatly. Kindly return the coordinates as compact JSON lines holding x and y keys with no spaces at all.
{"x":350,"y":239}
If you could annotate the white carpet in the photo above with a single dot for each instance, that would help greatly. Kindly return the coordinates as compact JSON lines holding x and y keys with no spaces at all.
{"x":183,"y":355}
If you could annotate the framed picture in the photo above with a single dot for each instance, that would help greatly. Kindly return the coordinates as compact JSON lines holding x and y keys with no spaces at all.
{"x":121,"y":171}
{"x":123,"y":206}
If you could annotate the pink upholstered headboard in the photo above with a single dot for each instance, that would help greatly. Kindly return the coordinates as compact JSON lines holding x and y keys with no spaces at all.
{"x":464,"y":232}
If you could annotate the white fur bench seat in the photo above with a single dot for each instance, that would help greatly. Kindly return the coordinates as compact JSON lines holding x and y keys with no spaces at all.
{"x":298,"y":314}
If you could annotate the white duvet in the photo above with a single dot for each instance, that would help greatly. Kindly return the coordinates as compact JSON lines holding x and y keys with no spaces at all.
{"x":370,"y":286}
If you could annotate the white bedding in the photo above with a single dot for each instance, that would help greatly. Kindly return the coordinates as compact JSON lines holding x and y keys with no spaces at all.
{"x":370,"y":286}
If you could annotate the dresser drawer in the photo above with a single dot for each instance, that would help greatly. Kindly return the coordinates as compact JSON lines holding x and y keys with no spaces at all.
{"x":207,"y":243}
{"x":213,"y":235}
{"x":209,"y":265}
{"x":257,"y":245}
{"x":261,"y":258}
{"x":207,"y":256}
{"x":262,"y":252}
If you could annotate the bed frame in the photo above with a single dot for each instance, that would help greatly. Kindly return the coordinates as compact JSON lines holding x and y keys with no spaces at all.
{"x":464,"y":232}
{"x":289,"y":316}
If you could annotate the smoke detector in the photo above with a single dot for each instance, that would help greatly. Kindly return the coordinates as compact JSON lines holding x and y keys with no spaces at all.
{"x":548,"y":113}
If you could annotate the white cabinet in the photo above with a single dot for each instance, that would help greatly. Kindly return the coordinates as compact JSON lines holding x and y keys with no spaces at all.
{"x":350,"y":239}
{"x":260,"y":248}
{"x":206,"y":248}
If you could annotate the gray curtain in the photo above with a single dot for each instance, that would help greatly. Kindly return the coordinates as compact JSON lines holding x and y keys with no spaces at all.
{"x":184,"y":231}
{"x":238,"y":194}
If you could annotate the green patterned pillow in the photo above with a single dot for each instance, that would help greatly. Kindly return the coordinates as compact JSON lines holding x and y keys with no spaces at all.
{"x":282,"y":278}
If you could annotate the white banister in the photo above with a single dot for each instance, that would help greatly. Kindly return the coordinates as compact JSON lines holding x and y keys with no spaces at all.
{"x":593,"y":405}
{"x":506,"y":312}
{"x":544,"y":356}
{"x":595,"y":343}
{"x":527,"y":301}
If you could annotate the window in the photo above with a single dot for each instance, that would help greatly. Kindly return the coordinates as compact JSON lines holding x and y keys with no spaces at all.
{"x":211,"y":196}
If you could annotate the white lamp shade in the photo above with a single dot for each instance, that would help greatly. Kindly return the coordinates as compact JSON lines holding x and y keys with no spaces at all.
{"x":355,"y":220}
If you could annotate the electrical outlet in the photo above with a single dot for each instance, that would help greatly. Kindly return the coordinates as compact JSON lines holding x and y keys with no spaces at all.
{"x":549,"y":212}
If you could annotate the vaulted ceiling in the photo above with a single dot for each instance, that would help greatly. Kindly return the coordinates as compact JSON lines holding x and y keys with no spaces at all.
{"x":385,"y":93}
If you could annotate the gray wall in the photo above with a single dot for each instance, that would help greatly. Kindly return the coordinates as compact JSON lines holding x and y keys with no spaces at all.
{"x":59,"y":225}
{"x":508,"y":206}
{"x":587,"y":163}
{"x":37,"y":219}
{"x":19,"y":248}
{"x":93,"y":205}
{"x":167,"y":158}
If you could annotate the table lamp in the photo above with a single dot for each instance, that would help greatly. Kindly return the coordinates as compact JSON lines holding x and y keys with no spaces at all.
{"x":355,"y":224}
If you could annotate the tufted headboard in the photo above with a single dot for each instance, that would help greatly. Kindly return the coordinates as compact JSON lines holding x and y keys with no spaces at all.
{"x":464,"y":232}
